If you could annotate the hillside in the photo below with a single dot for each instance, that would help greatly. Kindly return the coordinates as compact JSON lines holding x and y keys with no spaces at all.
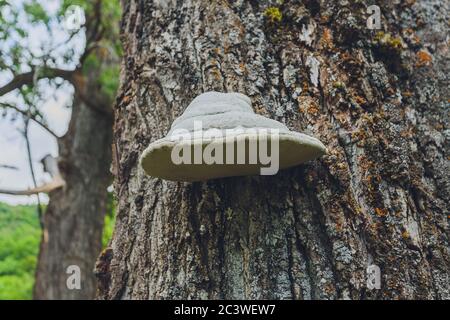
{"x":19,"y":246}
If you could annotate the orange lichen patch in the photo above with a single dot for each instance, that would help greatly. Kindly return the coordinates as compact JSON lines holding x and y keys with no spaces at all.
{"x":341,"y":165}
{"x":305,"y":86}
{"x":345,"y":55}
{"x":226,"y":48}
{"x":381,"y":212}
{"x":365,"y":164}
{"x":360,"y":100}
{"x":358,"y":134}
{"x":372,"y":180}
{"x":407,"y":94}
{"x":423,"y":58}
{"x":308,"y":105}
{"x":339,"y":226}
{"x":342,"y":118}
{"x":243,"y":68}
{"x":361,"y":143}
{"x":390,"y":91}
{"x":369,"y":120}
{"x":324,"y":19}
{"x":405,"y":235}
{"x":126,"y":99}
{"x":329,"y":288}
{"x":352,"y":204}
{"x":260,"y":110}
{"x":327,"y":39}
{"x":216,"y":72}
{"x":407,"y":133}
{"x":411,"y":36}
{"x":312,"y":109}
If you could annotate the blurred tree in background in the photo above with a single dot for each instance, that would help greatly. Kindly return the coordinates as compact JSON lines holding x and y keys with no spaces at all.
{"x":19,"y":245}
{"x":82,"y":50}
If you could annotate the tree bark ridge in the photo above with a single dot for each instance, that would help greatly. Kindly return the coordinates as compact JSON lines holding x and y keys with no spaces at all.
{"x":380,"y":196}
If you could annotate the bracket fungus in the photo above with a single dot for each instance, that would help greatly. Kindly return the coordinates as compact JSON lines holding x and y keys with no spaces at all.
{"x":219,"y":135}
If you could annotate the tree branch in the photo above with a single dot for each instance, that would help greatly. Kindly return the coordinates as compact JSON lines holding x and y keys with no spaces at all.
{"x":27,"y":78}
{"x":6,"y":166}
{"x":30,"y":164}
{"x":46,"y":188}
{"x":26,"y":114}
{"x":50,"y":166}
{"x":94,"y":32}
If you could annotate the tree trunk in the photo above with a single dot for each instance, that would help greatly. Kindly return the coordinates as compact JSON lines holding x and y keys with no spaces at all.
{"x":377,"y":99}
{"x":73,"y":221}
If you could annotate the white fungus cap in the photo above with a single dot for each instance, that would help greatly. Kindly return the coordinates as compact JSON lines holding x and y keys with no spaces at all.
{"x":232,"y":115}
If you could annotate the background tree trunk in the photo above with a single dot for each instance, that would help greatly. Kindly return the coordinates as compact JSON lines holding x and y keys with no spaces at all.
{"x":379,"y":102}
{"x":73,"y":221}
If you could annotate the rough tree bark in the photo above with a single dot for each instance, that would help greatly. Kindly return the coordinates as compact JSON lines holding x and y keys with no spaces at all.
{"x":377,"y":99}
{"x":73,"y":221}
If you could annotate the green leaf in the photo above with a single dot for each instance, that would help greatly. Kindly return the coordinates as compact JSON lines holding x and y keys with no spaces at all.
{"x":36,"y":12}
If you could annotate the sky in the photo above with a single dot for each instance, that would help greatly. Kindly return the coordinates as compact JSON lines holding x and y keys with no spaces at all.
{"x":13,"y":148}
{"x":57,"y":114}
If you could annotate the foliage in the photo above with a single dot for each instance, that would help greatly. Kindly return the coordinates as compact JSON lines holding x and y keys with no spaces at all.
{"x":109,"y":79}
{"x":19,"y":246}
{"x":36,"y":12}
{"x":110,"y":220}
{"x":61,"y":48}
